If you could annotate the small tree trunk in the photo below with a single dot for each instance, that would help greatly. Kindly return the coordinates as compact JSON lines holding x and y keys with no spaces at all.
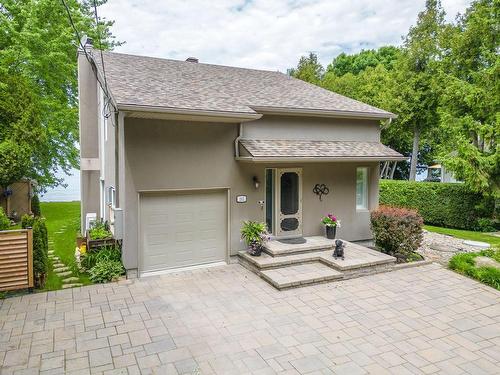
{"x":414,"y":153}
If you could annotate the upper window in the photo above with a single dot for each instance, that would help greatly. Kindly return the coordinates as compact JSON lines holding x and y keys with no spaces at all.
{"x":362,"y":188}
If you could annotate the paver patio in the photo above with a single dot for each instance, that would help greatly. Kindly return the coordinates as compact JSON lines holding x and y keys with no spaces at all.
{"x":226,"y":320}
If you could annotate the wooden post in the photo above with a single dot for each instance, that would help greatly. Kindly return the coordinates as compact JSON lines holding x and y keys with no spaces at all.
{"x":30,"y":258}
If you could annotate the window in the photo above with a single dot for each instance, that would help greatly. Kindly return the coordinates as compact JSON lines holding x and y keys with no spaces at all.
{"x":362,"y":188}
{"x":111,"y":196}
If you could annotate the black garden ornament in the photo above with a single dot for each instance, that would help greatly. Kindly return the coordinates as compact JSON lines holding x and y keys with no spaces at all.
{"x":339,"y":249}
{"x":320,"y":190}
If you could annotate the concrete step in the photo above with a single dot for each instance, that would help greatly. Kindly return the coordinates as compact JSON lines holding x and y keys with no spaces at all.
{"x":276,"y":248}
{"x":61,"y":269}
{"x":300,"y":275}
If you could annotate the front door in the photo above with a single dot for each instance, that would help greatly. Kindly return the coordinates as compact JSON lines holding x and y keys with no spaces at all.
{"x":289,"y":202}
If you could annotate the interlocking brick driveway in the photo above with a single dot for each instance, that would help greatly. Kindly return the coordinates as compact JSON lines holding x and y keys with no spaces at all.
{"x":226,"y":320}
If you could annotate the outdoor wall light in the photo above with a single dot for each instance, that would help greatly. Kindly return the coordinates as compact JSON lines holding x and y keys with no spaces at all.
{"x":256,"y":182}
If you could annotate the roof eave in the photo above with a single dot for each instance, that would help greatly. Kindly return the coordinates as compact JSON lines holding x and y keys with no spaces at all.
{"x":315,"y":159}
{"x":188,"y":113}
{"x":323,"y":113}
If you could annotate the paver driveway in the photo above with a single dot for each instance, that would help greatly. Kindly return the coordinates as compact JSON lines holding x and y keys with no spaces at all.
{"x":226,"y":320}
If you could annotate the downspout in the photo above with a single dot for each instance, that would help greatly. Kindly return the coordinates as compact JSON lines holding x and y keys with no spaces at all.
{"x":237,"y":141}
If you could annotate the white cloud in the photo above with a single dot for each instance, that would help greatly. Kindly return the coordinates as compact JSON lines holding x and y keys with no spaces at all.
{"x":267,"y":34}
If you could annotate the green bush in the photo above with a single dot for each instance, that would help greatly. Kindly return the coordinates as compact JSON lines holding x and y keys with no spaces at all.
{"x":4,"y":220}
{"x":35,"y":206}
{"x":91,"y":258}
{"x":441,"y":204}
{"x":100,"y":231}
{"x":397,"y":231}
{"x":106,"y":270}
{"x":464,"y":263}
{"x":27,"y":221}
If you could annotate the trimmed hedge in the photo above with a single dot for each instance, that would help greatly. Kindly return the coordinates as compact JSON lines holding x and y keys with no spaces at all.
{"x":40,"y":248}
{"x":441,"y":204}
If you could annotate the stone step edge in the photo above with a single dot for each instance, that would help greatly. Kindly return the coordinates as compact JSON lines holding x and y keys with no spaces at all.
{"x":314,"y":258}
{"x":285,"y":253}
{"x":295,"y":284}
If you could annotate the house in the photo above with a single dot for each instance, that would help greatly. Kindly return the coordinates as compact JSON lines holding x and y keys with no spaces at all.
{"x":16,"y":198}
{"x":177,"y":154}
{"x":439,"y":173}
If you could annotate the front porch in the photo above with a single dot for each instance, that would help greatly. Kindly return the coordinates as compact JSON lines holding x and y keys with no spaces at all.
{"x":286,"y":265}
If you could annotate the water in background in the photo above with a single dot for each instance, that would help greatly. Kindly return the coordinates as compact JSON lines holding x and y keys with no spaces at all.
{"x":62,"y":194}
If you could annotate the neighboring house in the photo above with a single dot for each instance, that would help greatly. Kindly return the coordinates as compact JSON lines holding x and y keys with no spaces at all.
{"x":16,"y":198}
{"x":193,"y":150}
{"x":439,"y":173}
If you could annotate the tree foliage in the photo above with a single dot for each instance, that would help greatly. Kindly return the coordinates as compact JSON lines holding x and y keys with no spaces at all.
{"x":38,"y":86}
{"x":442,"y":83}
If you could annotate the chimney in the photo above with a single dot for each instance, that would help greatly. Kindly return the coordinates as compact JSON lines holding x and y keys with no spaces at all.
{"x":192,"y":59}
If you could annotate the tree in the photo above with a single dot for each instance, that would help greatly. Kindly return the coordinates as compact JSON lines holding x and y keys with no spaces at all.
{"x":358,"y":62}
{"x":415,"y":72}
{"x":308,"y":69}
{"x":38,"y":86}
{"x":470,"y":98}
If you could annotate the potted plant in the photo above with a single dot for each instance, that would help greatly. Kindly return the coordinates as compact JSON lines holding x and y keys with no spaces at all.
{"x":331,"y":223}
{"x":255,"y":235}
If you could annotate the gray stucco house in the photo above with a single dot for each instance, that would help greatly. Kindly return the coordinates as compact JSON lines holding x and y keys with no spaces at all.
{"x":177,"y":154}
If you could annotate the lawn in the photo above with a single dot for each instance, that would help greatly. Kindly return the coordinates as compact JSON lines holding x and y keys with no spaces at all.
{"x":466,"y":234}
{"x":464,"y":263}
{"x":63,"y":224}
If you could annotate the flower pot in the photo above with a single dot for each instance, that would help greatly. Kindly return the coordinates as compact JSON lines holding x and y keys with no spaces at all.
{"x":255,"y":250}
{"x":331,"y":232}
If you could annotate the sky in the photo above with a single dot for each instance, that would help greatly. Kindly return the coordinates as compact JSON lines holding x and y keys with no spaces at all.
{"x":261,"y":34}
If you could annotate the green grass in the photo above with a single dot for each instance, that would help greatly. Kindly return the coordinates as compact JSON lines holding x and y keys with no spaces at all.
{"x":466,"y":234}
{"x":464,"y":264}
{"x":63,"y":224}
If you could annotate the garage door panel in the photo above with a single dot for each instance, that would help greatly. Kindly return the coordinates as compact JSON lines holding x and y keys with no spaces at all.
{"x":179,"y":230}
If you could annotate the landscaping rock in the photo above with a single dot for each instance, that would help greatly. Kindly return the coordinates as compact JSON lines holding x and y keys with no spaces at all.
{"x":66,"y":286}
{"x":478,"y":244}
{"x":486,"y":262}
{"x":63,"y":274}
{"x":70,"y":280}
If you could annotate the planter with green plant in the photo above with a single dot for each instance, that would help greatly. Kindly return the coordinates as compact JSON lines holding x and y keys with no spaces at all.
{"x":255,"y":236}
{"x":331,"y":223}
{"x":99,"y":235}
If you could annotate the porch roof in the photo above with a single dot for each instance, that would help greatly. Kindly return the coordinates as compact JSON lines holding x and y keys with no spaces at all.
{"x":311,"y":150}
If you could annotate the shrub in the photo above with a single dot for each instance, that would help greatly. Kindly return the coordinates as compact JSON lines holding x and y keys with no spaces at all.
{"x":35,"y":206}
{"x":40,"y":252}
{"x":485,"y":224}
{"x":91,"y":258}
{"x":464,"y":263}
{"x":106,"y":270}
{"x":254,"y":234}
{"x":397,"y":231}
{"x":27,"y":221}
{"x":100,"y":231}
{"x":442,"y":204}
{"x":4,"y":220}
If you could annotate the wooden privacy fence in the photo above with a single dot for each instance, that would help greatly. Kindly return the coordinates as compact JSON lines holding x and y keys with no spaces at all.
{"x":16,"y":259}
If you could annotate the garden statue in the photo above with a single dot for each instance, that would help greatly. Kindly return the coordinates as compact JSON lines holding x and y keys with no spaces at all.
{"x":339,"y":249}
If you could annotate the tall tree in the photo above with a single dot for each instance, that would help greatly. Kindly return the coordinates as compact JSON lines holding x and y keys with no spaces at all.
{"x":38,"y":86}
{"x":415,"y":74}
{"x":309,"y":69}
{"x":470,"y":97}
{"x":358,"y":62}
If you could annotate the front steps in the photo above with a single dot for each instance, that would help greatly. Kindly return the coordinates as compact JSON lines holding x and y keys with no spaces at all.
{"x":286,"y":266}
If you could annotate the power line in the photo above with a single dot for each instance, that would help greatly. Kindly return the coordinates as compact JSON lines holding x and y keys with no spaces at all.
{"x":107,"y":114}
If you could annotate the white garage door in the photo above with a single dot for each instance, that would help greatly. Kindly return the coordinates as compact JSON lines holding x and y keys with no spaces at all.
{"x":180,"y":230}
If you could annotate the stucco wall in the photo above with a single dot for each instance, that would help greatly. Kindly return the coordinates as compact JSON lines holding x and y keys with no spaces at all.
{"x":163,"y":155}
{"x":327,"y":129}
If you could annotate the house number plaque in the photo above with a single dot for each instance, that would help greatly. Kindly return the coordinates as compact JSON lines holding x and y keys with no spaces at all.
{"x":241,"y":199}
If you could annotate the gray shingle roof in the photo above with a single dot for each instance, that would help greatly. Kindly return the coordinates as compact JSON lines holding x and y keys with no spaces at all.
{"x":148,"y":81}
{"x":318,"y":149}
